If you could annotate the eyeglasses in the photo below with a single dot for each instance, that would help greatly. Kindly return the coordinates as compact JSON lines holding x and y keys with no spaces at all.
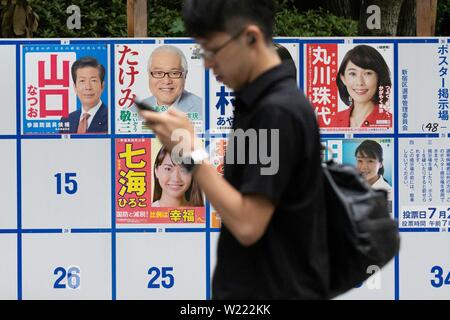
{"x":209,"y":54}
{"x":162,"y":74}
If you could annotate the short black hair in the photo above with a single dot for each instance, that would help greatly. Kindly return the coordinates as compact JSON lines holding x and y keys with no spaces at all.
{"x":282,"y":52}
{"x":87,"y":62}
{"x":371,"y":149}
{"x":203,"y":17}
{"x":365,"y":57}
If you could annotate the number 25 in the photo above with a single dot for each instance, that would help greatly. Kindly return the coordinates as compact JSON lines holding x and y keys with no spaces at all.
{"x":167,"y":278}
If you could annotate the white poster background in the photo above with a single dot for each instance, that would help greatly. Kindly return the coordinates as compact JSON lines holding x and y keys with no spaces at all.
{"x":8,"y":89}
{"x":89,"y":207}
{"x":379,"y":286}
{"x":8,"y":189}
{"x":184,"y":252}
{"x":213,"y":242}
{"x":8,"y":267}
{"x":42,"y":254}
{"x":420,"y":252}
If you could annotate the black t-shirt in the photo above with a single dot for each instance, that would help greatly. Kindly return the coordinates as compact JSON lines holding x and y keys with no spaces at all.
{"x":290,"y":260}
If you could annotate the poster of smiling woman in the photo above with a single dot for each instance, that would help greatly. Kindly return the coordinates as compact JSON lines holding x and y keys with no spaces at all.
{"x":351,"y":86}
{"x":152,"y":189}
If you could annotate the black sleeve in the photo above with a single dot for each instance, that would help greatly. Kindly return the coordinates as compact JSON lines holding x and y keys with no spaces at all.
{"x":271,"y":179}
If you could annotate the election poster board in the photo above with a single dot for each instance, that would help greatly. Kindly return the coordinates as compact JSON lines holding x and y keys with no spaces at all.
{"x":93,"y":207}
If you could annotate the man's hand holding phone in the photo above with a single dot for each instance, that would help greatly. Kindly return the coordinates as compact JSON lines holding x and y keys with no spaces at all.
{"x":143,"y":106}
{"x":165,"y":124}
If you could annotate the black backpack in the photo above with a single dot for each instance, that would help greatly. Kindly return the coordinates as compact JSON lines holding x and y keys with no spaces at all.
{"x":361,"y":232}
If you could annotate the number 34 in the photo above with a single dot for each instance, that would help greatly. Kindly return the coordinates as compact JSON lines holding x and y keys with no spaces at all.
{"x":438,"y":280}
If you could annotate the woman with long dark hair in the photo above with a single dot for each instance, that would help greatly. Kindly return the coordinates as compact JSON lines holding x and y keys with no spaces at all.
{"x":174,"y":185}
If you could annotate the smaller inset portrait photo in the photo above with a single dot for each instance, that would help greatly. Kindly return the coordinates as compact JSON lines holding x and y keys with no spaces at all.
{"x":351,"y":87}
{"x":373,"y":158}
{"x":65,"y":89}
{"x":163,"y":76}
{"x":173,"y":185}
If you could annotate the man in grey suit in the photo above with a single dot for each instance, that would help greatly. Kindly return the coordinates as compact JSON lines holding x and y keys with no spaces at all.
{"x":167,"y":72}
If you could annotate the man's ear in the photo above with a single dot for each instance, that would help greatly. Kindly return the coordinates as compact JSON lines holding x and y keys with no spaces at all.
{"x":254,"y":34}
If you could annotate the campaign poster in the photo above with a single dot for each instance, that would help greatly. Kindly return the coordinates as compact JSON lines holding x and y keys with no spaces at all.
{"x":60,"y":83}
{"x":350,"y":86}
{"x":423,"y":87}
{"x":163,"y":76}
{"x":217,"y":151}
{"x":373,"y":158}
{"x":151,"y":189}
{"x":222,"y":98}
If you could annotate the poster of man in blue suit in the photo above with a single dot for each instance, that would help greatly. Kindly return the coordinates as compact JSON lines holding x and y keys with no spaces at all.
{"x":88,"y":77}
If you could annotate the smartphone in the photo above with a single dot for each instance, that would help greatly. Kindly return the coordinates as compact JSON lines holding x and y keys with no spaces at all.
{"x":143,"y":106}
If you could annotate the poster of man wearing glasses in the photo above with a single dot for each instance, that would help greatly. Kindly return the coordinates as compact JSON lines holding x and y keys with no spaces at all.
{"x":164,"y":76}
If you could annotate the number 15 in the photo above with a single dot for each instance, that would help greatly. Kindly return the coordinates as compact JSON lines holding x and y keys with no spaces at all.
{"x":71,"y":185}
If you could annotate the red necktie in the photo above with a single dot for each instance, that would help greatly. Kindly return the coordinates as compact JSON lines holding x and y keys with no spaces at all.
{"x":82,"y":127}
